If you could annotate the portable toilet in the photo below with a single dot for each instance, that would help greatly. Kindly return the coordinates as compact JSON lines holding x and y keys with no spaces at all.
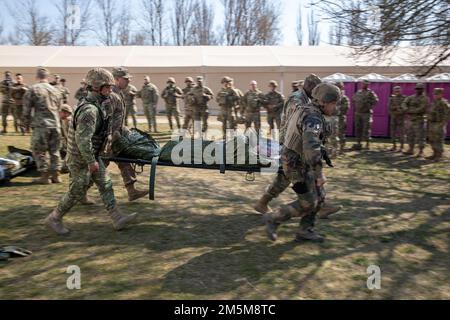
{"x":441,"y":80}
{"x":350,"y":89}
{"x":381,"y":85}
{"x":407,"y":82}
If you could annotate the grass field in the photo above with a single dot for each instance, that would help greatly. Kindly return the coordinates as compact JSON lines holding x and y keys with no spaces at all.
{"x":200,"y":238}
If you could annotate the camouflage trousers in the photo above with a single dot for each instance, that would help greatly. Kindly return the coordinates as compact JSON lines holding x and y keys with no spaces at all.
{"x":80,"y":181}
{"x":8,"y":108}
{"x":363,"y":124}
{"x":436,"y":136}
{"x":333,"y":139}
{"x":253,"y":118}
{"x":150,"y":114}
{"x":172,"y":111}
{"x":228,"y":121}
{"x":274,"y":118}
{"x":310,"y":198}
{"x":415,"y":133}
{"x":397,"y":128}
{"x":188,"y":118}
{"x":131,"y":110}
{"x":201,"y":113}
{"x":342,"y":130}
{"x":43,"y":141}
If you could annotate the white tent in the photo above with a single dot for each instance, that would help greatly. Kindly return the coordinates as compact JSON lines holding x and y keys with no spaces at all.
{"x":441,"y":77}
{"x":407,"y":77}
{"x":339,"y":77}
{"x":374,"y":77}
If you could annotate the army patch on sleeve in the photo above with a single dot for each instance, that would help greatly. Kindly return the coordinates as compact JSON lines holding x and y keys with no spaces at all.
{"x":313,"y":125}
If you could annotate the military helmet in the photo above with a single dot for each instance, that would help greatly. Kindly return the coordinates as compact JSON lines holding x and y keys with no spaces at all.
{"x":226,"y":79}
{"x":311,"y":81}
{"x":99,"y":77}
{"x":66,"y":108}
{"x":273,"y":83}
{"x":171,"y":79}
{"x":326,"y":92}
{"x":121,"y":72}
{"x":420,"y":85}
{"x":188,"y":79}
{"x":438,"y":90}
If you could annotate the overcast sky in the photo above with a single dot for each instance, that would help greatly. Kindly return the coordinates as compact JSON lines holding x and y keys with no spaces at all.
{"x":288,"y":20}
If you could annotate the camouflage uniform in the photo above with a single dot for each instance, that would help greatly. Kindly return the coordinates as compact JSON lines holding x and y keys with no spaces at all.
{"x":274,"y":101}
{"x":227,"y":98}
{"x":45,"y":101}
{"x":17,"y":93}
{"x":296,"y":99}
{"x":364,"y":101}
{"x":64,"y":92}
{"x":81,"y":93}
{"x":171,"y":94}
{"x":188,"y":101}
{"x":149,"y":95}
{"x":7,"y":103}
{"x":301,"y":158}
{"x":129,"y":94}
{"x":64,"y":137}
{"x":342,"y":108}
{"x":397,"y":119}
{"x":415,"y":108}
{"x":438,"y":116}
{"x":201,"y":95}
{"x":251,"y":104}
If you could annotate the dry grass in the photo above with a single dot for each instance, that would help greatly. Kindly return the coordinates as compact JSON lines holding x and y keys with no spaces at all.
{"x":201,"y":239}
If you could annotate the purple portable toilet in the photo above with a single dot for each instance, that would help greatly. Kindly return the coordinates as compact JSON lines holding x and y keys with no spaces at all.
{"x":407,"y":82}
{"x":381,"y":85}
{"x":350,"y":89}
{"x":441,"y":80}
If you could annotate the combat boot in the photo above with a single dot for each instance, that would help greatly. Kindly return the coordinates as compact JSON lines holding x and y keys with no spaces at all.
{"x":43,"y":179}
{"x":308,"y":235}
{"x":56,"y":177}
{"x":438,"y":156}
{"x":120,"y":221}
{"x":262,"y":205}
{"x":367,"y":145}
{"x":86,"y":201}
{"x":409,"y":152}
{"x":133,"y":193}
{"x":328,"y":210}
{"x":271,"y":227}
{"x":4,"y":130}
{"x":357,"y":146}
{"x":54,"y":222}
{"x":394,"y":147}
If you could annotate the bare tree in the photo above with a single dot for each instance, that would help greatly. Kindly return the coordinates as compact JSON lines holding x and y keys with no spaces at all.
{"x":313,"y":29}
{"x":377,"y":28}
{"x":202,"y":32}
{"x":153,"y":20}
{"x":31,"y":25}
{"x":336,"y":35}
{"x":109,"y":19}
{"x":181,"y":22}
{"x":300,"y":26}
{"x":123,"y":28}
{"x":251,"y":22}
{"x":69,"y":34}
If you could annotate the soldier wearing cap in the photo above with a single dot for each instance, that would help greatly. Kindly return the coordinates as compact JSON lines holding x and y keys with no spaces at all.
{"x":364,"y":101}
{"x":438,"y":117}
{"x":129,"y":94}
{"x":171,"y":94}
{"x":65,"y":92}
{"x":18,"y":90}
{"x":150,"y":96}
{"x":41,"y":105}
{"x":342,"y":108}
{"x":252,"y":102}
{"x":88,"y":134}
{"x":82,"y":91}
{"x":302,"y":161}
{"x":201,"y":96}
{"x":7,"y":101}
{"x":415,"y":108}
{"x":228,"y":99}
{"x":188,"y":103}
{"x":57,"y":83}
{"x":273,"y":102}
{"x":295,"y":85}
{"x":397,"y":121}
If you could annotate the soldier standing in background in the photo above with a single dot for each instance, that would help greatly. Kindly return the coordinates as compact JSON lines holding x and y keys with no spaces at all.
{"x":88,"y":132}
{"x":415,"y":108}
{"x":65,"y":92}
{"x":227,"y":98}
{"x":397,"y":118}
{"x":171,"y":94}
{"x":65,"y":115}
{"x":45,"y":102}
{"x":302,"y":162}
{"x":18,"y":91}
{"x":273,"y":102}
{"x":438,"y":116}
{"x":149,"y":95}
{"x":201,"y":95}
{"x":342,"y":107}
{"x":7,"y":101}
{"x":238,"y":110}
{"x":129,"y":94}
{"x":188,"y":102}
{"x":82,"y":91}
{"x":364,"y":100}
{"x":251,"y":104}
